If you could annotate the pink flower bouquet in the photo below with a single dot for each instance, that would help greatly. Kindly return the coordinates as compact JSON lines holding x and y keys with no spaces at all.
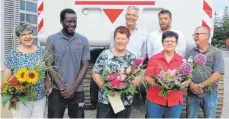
{"x":173,"y":79}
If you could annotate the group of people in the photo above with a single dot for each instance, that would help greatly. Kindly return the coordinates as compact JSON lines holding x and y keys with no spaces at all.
{"x":69,"y":54}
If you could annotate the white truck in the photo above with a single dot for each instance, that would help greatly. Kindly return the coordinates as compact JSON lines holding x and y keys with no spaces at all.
{"x":96,"y":19}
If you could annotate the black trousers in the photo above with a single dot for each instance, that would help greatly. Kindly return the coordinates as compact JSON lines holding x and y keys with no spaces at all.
{"x":106,"y":111}
{"x":94,"y":89}
{"x":57,"y":105}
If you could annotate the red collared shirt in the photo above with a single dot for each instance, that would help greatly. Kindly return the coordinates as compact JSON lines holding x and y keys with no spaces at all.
{"x":155,"y":63}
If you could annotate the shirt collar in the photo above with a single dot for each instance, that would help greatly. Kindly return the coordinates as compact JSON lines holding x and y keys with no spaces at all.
{"x":171,"y":29}
{"x":61,"y":35}
{"x":135,"y":28}
{"x":162,"y":56}
{"x":207,"y":50}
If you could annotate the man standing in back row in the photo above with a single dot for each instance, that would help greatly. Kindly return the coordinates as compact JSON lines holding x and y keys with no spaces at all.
{"x":137,"y":42}
{"x":154,"y":44}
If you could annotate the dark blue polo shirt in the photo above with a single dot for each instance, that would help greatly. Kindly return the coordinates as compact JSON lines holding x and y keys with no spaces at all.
{"x":68,"y":55}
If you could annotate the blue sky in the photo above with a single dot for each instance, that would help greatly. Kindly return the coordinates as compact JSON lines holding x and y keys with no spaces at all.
{"x":221,"y":4}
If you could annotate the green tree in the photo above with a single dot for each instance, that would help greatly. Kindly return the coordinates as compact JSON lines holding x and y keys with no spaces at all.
{"x":225,"y":14}
{"x":221,"y":29}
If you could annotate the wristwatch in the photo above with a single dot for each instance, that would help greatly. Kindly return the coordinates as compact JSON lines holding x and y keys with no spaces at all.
{"x":200,"y":85}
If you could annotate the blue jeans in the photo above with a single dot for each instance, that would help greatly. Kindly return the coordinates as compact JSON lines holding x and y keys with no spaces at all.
{"x":208,"y":105}
{"x":159,"y":111}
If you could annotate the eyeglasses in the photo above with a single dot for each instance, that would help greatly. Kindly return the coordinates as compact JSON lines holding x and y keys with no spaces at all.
{"x":197,"y":34}
{"x":168,"y":41}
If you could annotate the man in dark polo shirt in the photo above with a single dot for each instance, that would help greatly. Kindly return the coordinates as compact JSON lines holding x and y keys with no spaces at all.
{"x":203,"y":89}
{"x":69,"y":54}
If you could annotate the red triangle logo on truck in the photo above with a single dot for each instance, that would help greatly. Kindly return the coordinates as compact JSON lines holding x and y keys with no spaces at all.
{"x":112,"y":14}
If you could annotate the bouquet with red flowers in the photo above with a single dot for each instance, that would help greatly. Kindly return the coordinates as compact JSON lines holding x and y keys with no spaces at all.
{"x":21,"y":85}
{"x":117,"y":82}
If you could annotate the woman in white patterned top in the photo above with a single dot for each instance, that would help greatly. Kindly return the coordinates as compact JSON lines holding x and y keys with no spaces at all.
{"x":117,"y":59}
{"x":26,"y":56}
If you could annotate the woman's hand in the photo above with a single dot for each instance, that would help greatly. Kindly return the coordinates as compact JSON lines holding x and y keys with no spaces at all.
{"x":123,"y":77}
{"x":14,"y":99}
{"x":98,"y":80}
{"x":137,"y":81}
{"x":7,"y":73}
{"x":101,"y":84}
{"x":48,"y":86}
{"x":151,"y":82}
{"x":155,"y":85}
{"x":128,"y":70}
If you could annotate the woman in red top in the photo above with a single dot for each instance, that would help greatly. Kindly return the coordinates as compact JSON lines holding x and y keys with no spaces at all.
{"x":171,"y":105}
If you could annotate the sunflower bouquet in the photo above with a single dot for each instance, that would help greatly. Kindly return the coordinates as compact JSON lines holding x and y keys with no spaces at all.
{"x":21,"y":85}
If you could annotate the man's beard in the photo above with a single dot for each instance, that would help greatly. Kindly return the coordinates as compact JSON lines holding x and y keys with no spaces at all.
{"x":166,"y":28}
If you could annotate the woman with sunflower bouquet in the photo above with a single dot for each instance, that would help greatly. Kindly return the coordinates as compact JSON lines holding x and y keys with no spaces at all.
{"x":24,"y":74}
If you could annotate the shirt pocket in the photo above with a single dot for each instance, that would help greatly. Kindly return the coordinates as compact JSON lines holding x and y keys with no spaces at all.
{"x":77,"y":50}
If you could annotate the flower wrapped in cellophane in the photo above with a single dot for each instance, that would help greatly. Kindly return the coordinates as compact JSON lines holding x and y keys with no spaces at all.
{"x":173,"y":79}
{"x":120,"y":82}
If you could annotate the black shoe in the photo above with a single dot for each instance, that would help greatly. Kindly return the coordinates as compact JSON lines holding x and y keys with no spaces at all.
{"x":90,"y":107}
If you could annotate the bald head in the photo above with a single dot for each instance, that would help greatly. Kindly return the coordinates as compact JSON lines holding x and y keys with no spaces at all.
{"x":204,"y":29}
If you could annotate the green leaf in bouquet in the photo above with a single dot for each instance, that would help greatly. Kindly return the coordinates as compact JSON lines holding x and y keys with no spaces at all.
{"x":5,"y":99}
{"x":12,"y":105}
{"x":23,"y":99}
{"x":106,"y":92}
{"x":144,"y":85}
{"x":164,"y":92}
{"x":130,"y":90}
{"x":160,"y":82}
{"x":104,"y":74}
{"x":185,"y":78}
